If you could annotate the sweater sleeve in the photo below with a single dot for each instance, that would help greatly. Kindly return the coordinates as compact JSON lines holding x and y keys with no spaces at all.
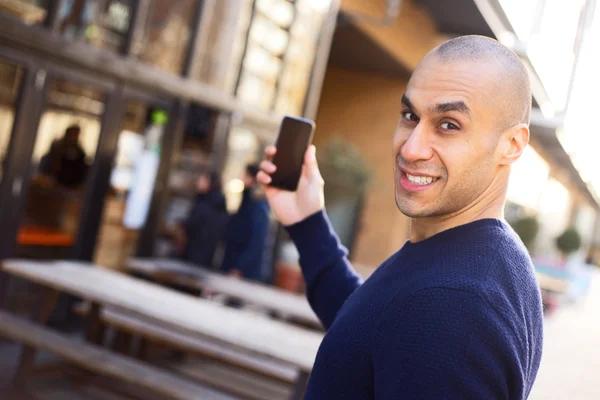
{"x":329,"y":277}
{"x":446,"y":343}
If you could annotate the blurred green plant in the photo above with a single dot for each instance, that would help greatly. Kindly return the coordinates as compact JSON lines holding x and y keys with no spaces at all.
{"x":343,"y":168}
{"x":569,"y":241}
{"x":527,"y":228}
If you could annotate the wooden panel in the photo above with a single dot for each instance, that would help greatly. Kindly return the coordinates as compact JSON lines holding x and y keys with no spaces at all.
{"x":175,"y":310}
{"x":269,"y":297}
{"x":102,"y":362}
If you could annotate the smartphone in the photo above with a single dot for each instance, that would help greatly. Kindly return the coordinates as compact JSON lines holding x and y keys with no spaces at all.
{"x":294,"y":137}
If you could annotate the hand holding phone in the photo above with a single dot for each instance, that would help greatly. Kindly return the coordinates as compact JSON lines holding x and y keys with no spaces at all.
{"x":294,"y":137}
{"x":301,"y":197}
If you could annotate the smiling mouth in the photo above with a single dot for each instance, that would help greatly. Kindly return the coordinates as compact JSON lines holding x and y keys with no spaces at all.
{"x":419,"y":180}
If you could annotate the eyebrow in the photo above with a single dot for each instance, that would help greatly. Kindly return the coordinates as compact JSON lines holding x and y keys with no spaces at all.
{"x":459,"y":106}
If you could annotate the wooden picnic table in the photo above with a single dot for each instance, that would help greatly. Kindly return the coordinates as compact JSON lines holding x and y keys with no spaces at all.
{"x":195,"y":277}
{"x":177,"y":311}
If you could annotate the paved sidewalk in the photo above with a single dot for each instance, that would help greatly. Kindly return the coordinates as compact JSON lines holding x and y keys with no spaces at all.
{"x":571,"y":362}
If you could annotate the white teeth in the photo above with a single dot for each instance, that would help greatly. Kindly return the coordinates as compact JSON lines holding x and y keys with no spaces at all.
{"x":420,"y":180}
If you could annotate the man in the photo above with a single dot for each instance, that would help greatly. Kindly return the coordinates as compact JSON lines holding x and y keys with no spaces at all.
{"x":65,"y":161}
{"x":199,"y":235}
{"x":456,"y":312}
{"x":247,"y":232}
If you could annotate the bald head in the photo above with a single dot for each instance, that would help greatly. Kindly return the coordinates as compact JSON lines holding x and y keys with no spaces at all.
{"x":512,"y":92}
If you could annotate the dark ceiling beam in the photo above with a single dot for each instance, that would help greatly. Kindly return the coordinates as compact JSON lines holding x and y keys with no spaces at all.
{"x":35,"y":40}
{"x":353,"y":50}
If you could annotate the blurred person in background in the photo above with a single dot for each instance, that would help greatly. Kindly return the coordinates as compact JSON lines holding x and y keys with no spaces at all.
{"x":65,"y":161}
{"x":197,"y":238}
{"x":248,"y":231}
{"x":456,"y":313}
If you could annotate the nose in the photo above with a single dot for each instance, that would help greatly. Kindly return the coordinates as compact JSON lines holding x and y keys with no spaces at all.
{"x":418,"y":146}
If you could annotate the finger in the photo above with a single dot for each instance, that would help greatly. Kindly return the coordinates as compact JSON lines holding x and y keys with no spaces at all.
{"x":267,"y":166}
{"x":310,"y":155}
{"x":270,"y":151}
{"x":263,"y":178}
{"x":310,"y":163}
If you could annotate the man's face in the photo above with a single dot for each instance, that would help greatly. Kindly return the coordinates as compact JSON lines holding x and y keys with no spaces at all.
{"x":72,"y":137}
{"x":203,"y":184}
{"x":445,"y":143}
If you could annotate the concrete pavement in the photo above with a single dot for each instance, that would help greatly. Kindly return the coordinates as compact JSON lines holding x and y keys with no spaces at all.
{"x":570,"y":366}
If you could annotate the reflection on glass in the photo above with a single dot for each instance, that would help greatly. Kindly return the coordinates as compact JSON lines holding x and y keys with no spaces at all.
{"x":167,"y":32}
{"x":30,"y":12}
{"x":282,"y":47}
{"x":279,"y":11}
{"x":295,"y":79}
{"x":117,"y":240}
{"x":243,"y":148}
{"x":64,"y":149}
{"x":193,"y":161}
{"x":103,"y":23}
{"x":268,"y":35}
{"x":10,"y":83}
{"x":255,"y":90}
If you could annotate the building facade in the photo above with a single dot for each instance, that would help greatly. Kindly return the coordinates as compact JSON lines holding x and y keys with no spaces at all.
{"x":361,"y":96}
{"x":188,"y":85}
{"x":158,"y":91}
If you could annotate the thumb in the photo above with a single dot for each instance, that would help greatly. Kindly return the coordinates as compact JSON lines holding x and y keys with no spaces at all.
{"x":310,"y":163}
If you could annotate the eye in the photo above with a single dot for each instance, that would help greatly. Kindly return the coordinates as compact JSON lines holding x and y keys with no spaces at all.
{"x":410,"y":116}
{"x":449,"y":126}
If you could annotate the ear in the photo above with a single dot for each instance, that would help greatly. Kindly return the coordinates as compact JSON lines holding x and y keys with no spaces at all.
{"x":514,"y":141}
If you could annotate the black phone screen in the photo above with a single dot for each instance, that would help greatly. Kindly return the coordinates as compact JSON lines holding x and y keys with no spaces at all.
{"x":295,"y":135}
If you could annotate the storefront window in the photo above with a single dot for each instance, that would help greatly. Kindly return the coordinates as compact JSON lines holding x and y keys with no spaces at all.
{"x":274,"y":70}
{"x":166,"y":34}
{"x":30,"y":12}
{"x":103,"y":23}
{"x":268,"y":39}
{"x":64,"y":150}
{"x":295,"y":79}
{"x":243,"y":148}
{"x":192,"y":160}
{"x":220,"y":56}
{"x":136,"y":160}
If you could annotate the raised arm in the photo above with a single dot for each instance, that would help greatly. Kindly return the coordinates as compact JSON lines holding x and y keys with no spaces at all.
{"x":329,"y":277}
{"x":327,"y":272}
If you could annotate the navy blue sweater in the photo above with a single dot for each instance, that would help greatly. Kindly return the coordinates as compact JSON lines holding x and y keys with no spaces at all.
{"x":455,"y":316}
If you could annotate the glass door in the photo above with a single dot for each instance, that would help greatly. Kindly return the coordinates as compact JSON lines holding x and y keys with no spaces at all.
{"x":11,"y":78}
{"x":63,"y":151}
{"x":19,"y":108}
{"x":132,"y":179}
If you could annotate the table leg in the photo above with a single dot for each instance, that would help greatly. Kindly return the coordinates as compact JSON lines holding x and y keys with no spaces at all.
{"x":94,"y":330}
{"x":300,"y":386}
{"x":143,"y":349}
{"x":47,"y":301}
{"x":122,"y":342}
{"x":4,"y":290}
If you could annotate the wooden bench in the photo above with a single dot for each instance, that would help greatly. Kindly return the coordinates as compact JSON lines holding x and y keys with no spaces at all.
{"x":236,"y":381}
{"x":100,"y":361}
{"x":193,"y":344}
